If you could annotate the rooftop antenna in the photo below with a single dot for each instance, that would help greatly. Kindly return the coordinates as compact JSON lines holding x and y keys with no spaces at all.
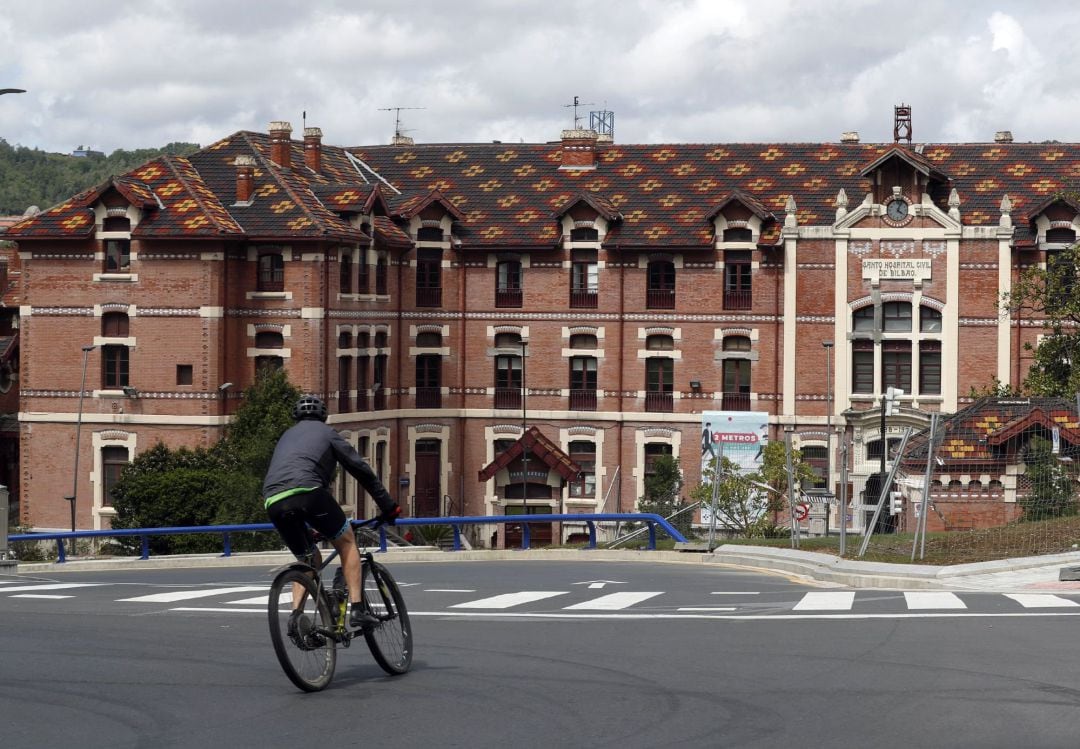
{"x":398,"y":132}
{"x":575,"y":105}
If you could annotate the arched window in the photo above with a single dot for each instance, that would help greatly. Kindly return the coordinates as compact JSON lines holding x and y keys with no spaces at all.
{"x":116,"y":223}
{"x":429,"y":234}
{"x":428,"y":339}
{"x":344,"y":339}
{"x":660,"y":342}
{"x":114,"y":325}
{"x":739,"y":234}
{"x":863,"y":319}
{"x":584,"y":234}
{"x":508,"y":340}
{"x":583,"y":340}
{"x":1060,"y":236}
{"x":269,"y":339}
{"x":736,"y":343}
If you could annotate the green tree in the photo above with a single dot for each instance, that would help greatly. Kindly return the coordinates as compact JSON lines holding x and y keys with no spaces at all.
{"x":1052,"y":489}
{"x":170,"y":488}
{"x":37,"y":178}
{"x":1050,"y":292}
{"x":264,"y":415}
{"x":662,"y":486}
{"x":216,"y":486}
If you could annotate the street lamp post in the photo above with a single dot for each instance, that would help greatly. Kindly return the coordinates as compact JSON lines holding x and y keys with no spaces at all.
{"x":72,"y":498}
{"x":827,"y":345}
{"x":524,"y":448}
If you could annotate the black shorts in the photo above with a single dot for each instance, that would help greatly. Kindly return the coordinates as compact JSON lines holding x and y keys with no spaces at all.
{"x":295,"y":516}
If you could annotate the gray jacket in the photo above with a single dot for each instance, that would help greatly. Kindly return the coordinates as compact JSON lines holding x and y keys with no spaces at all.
{"x":306,"y":455}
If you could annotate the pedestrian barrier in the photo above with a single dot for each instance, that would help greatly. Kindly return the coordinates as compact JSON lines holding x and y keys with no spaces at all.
{"x":651,"y":521}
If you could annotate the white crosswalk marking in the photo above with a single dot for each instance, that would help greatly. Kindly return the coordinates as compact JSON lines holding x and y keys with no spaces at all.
{"x":49,"y":586}
{"x":933,"y":600}
{"x":187,"y":595}
{"x":506,"y":600}
{"x":830,"y":601}
{"x":1041,"y":600}
{"x":613,"y":601}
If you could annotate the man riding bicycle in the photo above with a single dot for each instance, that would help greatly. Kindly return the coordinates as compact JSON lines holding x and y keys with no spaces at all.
{"x":297,"y":498}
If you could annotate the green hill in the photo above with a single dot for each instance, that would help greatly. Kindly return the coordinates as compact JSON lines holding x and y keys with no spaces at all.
{"x":29,"y":176}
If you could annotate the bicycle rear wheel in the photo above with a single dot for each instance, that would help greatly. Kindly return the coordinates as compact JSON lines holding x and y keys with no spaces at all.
{"x":391,"y":641}
{"x":307,"y":651}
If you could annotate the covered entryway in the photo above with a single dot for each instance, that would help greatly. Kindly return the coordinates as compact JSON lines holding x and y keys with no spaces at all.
{"x":529,"y":475}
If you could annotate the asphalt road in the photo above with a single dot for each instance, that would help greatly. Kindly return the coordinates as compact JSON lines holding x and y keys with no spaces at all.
{"x":532,"y":654}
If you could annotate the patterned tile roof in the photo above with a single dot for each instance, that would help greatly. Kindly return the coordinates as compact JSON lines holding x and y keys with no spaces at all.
{"x":665,"y":192}
{"x":656,"y":195}
{"x":978,"y":432}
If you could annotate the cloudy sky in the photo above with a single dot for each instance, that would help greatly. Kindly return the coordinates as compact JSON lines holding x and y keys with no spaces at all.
{"x":143,"y":73}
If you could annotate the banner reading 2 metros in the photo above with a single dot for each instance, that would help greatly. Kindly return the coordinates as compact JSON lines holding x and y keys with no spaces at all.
{"x":740,"y":436}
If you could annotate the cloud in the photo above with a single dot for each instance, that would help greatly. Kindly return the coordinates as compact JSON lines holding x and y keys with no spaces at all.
{"x":149,"y":72}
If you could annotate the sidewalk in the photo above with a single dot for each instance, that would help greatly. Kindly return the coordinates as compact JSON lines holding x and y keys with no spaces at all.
{"x":1004,"y":575}
{"x":1007,"y":575}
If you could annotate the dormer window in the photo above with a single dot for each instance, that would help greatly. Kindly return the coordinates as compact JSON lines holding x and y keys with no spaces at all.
{"x":117,"y":255}
{"x":116,"y":223}
{"x":739,"y":234}
{"x":429,"y":234}
{"x":1060,"y":236}
{"x":584,"y":234}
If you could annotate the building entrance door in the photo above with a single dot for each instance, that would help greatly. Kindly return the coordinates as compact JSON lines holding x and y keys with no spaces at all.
{"x":427,"y":490}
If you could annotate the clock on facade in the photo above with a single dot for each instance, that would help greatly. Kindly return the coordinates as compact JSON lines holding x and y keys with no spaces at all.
{"x":897,"y":209}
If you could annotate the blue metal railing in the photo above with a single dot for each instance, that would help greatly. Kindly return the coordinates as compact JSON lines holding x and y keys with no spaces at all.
{"x":456,"y":524}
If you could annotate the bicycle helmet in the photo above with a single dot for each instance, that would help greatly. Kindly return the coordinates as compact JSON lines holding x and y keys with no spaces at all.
{"x":309,"y":407}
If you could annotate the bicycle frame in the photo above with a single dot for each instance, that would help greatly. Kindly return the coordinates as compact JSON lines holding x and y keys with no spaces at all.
{"x":341,"y":634}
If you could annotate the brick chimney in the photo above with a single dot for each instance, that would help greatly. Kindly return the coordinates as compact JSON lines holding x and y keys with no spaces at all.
{"x":313,"y":149}
{"x":281,"y":144}
{"x":245,"y":178}
{"x":579,"y":149}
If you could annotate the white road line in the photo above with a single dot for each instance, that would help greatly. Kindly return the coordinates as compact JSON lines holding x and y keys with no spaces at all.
{"x":1041,"y":600}
{"x":449,"y":590}
{"x":50,"y":586}
{"x":40,"y":595}
{"x":921,"y":599}
{"x":187,"y":595}
{"x":967,"y":614}
{"x":706,"y":608}
{"x":826,"y":601}
{"x":612,"y":601}
{"x":506,"y":600}
{"x":286,"y":595}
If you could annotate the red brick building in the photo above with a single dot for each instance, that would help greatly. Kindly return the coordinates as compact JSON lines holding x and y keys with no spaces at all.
{"x":627,"y":287}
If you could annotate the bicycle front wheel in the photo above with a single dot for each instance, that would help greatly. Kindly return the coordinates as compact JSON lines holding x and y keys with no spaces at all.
{"x":390,"y":641}
{"x":303,"y":638}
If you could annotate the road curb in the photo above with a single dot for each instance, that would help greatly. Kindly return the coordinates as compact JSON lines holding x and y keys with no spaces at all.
{"x":822,"y":568}
{"x":858,"y":574}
